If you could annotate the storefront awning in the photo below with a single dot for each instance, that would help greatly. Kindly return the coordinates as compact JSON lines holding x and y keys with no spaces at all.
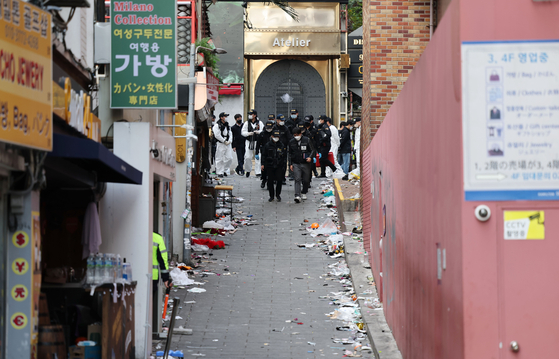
{"x":92,"y":156}
{"x":233,"y":90}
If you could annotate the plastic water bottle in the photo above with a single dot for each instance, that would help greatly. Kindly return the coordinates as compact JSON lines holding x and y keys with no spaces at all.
{"x":118,"y":268}
{"x":90,"y":269}
{"x":126,"y":272}
{"x":98,"y":268}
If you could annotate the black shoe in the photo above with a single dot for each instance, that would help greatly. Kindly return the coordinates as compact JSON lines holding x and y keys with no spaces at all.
{"x":225,"y":174}
{"x":321,"y":176}
{"x":263,"y":184}
{"x":345,"y":178}
{"x":258,"y":175}
{"x":278,"y":198}
{"x":248,"y":174}
{"x":220,"y":176}
{"x":284,"y":182}
{"x":291,"y":179}
{"x":270,"y":199}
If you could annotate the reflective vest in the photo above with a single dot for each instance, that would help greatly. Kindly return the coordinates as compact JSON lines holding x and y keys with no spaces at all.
{"x":159,"y":243}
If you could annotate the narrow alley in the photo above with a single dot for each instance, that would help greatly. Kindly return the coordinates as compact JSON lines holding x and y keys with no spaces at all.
{"x":267,"y":297}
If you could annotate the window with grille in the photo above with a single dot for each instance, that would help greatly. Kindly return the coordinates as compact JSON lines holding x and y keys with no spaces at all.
{"x":289,"y":96}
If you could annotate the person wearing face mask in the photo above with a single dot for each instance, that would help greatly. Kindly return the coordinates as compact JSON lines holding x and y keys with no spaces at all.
{"x":357,"y":141}
{"x":213,"y":140}
{"x":251,"y":129}
{"x":274,"y":157}
{"x":301,"y":154}
{"x":323,"y":138}
{"x":293,"y":120}
{"x":263,"y":139}
{"x":285,"y":134}
{"x":345,"y":148}
{"x":238,"y":144}
{"x":311,"y":134}
{"x":223,"y":135}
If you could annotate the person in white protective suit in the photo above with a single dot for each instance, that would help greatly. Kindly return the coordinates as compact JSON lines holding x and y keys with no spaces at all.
{"x":223,"y":153}
{"x":357,"y":141}
{"x":335,"y":142}
{"x":251,"y":130}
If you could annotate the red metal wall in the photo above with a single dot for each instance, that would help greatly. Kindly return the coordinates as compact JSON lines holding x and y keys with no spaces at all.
{"x":415,"y":161}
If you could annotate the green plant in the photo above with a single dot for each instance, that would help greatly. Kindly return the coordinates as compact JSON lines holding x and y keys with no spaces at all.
{"x":355,"y":14}
{"x":210,"y":58}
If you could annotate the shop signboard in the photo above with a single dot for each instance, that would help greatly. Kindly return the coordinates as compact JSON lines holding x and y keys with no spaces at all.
{"x":292,"y":42}
{"x":355,"y":73}
{"x":23,"y":280}
{"x":143,"y":54}
{"x":510,"y":120}
{"x":25,"y":75}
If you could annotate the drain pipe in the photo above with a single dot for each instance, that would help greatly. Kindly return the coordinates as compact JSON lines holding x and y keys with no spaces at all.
{"x":146,"y":325}
{"x":430,"y":19}
{"x":186,"y":249}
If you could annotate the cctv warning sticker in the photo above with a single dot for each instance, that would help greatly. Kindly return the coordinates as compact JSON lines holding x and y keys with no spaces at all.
{"x":524,"y":225}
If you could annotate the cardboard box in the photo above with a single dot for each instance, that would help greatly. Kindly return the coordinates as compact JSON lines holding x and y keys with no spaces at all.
{"x":94,"y":333}
{"x":77,"y":352}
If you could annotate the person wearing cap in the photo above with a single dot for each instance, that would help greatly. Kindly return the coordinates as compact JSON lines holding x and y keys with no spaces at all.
{"x":357,"y":141}
{"x":251,"y":129}
{"x":293,"y":120}
{"x":285,"y":133}
{"x":223,"y":135}
{"x":301,"y":154}
{"x":263,"y":139}
{"x":274,"y":157}
{"x":323,"y":138}
{"x":311,"y":134}
{"x":345,"y":148}
{"x":238,"y":143}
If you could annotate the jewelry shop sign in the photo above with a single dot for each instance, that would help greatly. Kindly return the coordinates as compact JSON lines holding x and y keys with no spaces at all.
{"x":510,"y":120}
{"x":25,"y":75}
{"x":143,"y":54}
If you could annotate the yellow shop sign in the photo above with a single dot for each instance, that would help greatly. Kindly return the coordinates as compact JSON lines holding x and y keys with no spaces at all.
{"x":25,"y":73}
{"x":75,"y":109}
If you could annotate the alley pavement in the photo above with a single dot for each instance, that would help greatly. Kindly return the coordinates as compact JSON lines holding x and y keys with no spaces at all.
{"x":263,"y":292}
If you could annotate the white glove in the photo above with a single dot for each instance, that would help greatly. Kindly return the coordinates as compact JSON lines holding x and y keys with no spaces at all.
{"x":227,"y":143}
{"x":251,"y":133}
{"x":258,"y":132}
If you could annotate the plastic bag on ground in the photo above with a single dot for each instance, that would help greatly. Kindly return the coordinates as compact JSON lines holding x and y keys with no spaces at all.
{"x":212,"y":224}
{"x":200,"y":248}
{"x":327,"y":227}
{"x":180,"y":277}
{"x":338,"y":174}
{"x":355,"y":174}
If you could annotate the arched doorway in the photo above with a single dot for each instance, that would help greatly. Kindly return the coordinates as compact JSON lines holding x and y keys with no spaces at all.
{"x":287,"y":85}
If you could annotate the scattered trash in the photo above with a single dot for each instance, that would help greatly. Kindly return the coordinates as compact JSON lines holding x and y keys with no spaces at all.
{"x":196,"y":290}
{"x":180,"y":277}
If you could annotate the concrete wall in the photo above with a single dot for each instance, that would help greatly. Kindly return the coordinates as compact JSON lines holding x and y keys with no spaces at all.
{"x":126,"y":214}
{"x":413,"y":166}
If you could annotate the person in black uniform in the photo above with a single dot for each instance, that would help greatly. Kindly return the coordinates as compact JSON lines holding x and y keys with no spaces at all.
{"x":293,"y":120}
{"x":238,"y":144}
{"x":264,"y":138}
{"x":301,"y":153}
{"x":323,"y":138}
{"x":311,"y":134}
{"x":274,"y":155}
{"x":285,"y":134}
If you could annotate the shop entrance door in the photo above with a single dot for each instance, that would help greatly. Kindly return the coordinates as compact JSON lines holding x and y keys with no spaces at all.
{"x":287,"y":85}
{"x":528,"y":290}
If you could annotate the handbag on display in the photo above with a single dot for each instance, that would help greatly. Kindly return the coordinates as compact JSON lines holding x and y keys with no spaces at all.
{"x":494,"y":76}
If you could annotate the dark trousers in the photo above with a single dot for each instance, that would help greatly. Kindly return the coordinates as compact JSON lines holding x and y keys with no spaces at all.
{"x":276,"y":175}
{"x":302,"y":175}
{"x":264,"y":175}
{"x":240,"y":158}
{"x":325,"y":162}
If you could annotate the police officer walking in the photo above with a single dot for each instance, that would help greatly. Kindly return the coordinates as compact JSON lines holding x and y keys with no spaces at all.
{"x":301,"y":154}
{"x":251,"y":129}
{"x":238,"y":144}
{"x":263,"y":139}
{"x":223,"y":135}
{"x":323,"y":138}
{"x":160,"y":265}
{"x":285,"y":135}
{"x":274,"y":155}
{"x":293,"y":120}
